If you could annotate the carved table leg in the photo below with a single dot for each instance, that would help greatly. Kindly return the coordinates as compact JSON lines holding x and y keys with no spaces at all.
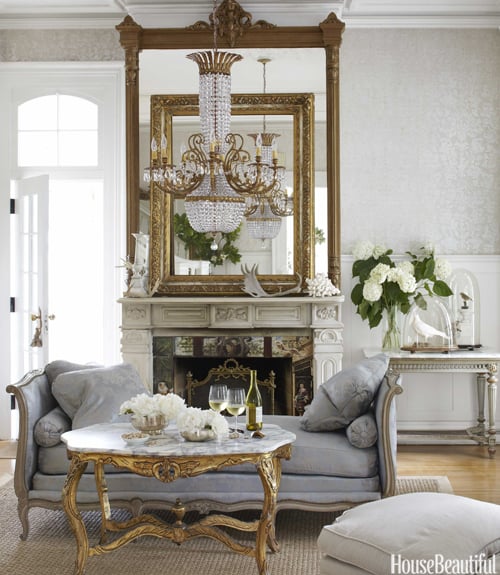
{"x":102,"y":490}
{"x":76,"y":469}
{"x":492,"y":402}
{"x":481,"y":385}
{"x":270,"y":475}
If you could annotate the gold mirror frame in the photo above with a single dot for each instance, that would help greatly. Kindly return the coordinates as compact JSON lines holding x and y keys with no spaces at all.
{"x":300,"y":107}
{"x":236,"y":29}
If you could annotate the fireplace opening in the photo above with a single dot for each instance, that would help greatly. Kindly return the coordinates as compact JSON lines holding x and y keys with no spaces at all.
{"x":289,"y":358}
{"x":277,"y":400}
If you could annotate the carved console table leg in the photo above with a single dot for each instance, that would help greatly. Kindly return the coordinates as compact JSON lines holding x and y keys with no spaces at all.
{"x":478,"y":432}
{"x":481,"y":386}
{"x":492,"y":402}
{"x":75,"y":472}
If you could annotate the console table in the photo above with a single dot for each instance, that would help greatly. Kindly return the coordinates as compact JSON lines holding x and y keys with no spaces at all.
{"x":167,"y":459}
{"x":481,"y":361}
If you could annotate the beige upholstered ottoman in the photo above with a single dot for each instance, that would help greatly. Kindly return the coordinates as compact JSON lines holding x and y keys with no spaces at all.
{"x":413,"y":533}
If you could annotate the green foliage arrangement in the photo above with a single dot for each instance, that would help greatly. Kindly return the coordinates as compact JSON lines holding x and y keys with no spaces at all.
{"x":198,"y":244}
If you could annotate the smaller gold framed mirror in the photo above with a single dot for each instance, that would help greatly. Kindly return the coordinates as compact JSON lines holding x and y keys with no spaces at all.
{"x":178,"y":268}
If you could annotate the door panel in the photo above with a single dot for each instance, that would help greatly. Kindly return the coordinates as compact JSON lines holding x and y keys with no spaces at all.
{"x":29,"y":241}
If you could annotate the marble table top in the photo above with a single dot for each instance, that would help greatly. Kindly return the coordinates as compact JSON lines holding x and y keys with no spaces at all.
{"x":107,"y":438}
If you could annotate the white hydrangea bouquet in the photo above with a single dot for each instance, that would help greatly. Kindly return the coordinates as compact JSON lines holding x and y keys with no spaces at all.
{"x":143,"y":405}
{"x":195,"y":424}
{"x":388,"y":286}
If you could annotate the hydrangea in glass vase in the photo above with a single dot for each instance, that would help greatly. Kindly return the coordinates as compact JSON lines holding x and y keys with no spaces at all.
{"x":388,"y":286}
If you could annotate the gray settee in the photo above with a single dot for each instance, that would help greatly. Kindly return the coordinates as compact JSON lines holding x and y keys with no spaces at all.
{"x":325,"y":473}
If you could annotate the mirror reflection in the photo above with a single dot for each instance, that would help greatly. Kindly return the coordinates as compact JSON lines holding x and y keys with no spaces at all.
{"x":178,"y":252}
{"x":197,"y":253}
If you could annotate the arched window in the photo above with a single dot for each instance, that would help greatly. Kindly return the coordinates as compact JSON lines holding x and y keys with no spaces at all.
{"x":57,"y":130}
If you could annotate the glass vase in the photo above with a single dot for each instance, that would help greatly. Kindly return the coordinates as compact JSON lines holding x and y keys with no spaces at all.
{"x":392,"y":335}
{"x":150,"y":424}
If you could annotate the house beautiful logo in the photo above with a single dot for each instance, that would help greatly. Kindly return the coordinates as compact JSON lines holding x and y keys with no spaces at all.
{"x":439,"y":565}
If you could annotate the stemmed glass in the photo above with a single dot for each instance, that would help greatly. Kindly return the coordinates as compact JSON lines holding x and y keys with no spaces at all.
{"x":217,"y":397}
{"x":236,"y":403}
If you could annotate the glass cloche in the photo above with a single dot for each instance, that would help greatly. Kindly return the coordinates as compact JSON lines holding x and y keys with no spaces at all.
{"x":428,"y":330}
{"x":464,"y":308}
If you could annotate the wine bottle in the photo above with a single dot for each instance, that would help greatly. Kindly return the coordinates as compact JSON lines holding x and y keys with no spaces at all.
{"x":253,"y":404}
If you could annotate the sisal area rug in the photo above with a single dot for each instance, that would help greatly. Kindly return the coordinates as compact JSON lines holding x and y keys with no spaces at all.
{"x":50,"y":548}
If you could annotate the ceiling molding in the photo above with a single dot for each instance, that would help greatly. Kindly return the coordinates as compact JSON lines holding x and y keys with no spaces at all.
{"x":74,"y":14}
{"x":421,"y":21}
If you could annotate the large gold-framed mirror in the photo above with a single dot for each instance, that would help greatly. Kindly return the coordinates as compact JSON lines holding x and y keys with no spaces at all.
{"x":236,"y":30}
{"x":284,"y":261}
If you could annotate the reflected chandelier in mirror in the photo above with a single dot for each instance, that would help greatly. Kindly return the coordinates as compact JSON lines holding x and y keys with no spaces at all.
{"x":296,"y":109}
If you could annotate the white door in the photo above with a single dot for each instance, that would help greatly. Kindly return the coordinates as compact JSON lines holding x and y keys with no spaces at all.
{"x":29,"y":262}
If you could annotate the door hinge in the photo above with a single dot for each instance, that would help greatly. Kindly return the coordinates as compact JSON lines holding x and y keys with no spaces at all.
{"x":12,"y":205}
{"x":12,"y":305}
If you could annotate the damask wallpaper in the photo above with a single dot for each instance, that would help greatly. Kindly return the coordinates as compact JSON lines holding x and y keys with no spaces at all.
{"x":420,"y":139}
{"x":57,"y":45}
{"x":420,"y":130}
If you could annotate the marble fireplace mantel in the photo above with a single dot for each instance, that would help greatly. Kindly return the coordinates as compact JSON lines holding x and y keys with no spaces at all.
{"x":320,"y":318}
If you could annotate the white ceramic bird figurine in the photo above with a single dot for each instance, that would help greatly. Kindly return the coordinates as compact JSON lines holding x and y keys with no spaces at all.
{"x":426,"y":330}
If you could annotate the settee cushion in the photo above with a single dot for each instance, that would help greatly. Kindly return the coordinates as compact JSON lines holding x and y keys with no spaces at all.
{"x":48,"y":429}
{"x":416,"y":526}
{"x":345,"y":396}
{"x":94,"y":395}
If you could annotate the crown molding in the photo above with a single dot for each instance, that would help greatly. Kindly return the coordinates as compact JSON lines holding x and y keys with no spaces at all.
{"x":45,"y":14}
{"x":421,"y":21}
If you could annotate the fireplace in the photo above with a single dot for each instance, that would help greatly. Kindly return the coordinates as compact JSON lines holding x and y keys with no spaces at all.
{"x":289,"y":357}
{"x":300,"y":338}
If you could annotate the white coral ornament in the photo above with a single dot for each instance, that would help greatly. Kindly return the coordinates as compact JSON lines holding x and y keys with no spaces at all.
{"x":321,"y":286}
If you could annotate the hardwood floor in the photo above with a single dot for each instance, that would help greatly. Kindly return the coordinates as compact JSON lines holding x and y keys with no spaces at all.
{"x":470,"y":471}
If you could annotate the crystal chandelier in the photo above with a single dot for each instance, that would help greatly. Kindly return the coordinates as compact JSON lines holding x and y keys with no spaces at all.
{"x":263,"y":224}
{"x":264,"y":213}
{"x":216,"y":175}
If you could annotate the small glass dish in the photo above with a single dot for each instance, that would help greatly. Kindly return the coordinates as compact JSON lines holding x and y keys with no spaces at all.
{"x":135,"y":438}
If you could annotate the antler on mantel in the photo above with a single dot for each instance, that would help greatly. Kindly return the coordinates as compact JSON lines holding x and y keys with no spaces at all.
{"x":252,"y":285}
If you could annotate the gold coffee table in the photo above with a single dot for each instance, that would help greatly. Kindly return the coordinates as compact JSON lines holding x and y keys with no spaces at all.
{"x":168,"y":460}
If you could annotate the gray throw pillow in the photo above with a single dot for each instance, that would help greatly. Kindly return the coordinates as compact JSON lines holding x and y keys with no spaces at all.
{"x":362,"y":432}
{"x":58,"y":366}
{"x":94,"y":395}
{"x":345,"y":396}
{"x":48,"y":429}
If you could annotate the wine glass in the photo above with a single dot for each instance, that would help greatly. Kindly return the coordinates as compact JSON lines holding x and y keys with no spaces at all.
{"x":236,"y":403}
{"x":217,"y":397}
